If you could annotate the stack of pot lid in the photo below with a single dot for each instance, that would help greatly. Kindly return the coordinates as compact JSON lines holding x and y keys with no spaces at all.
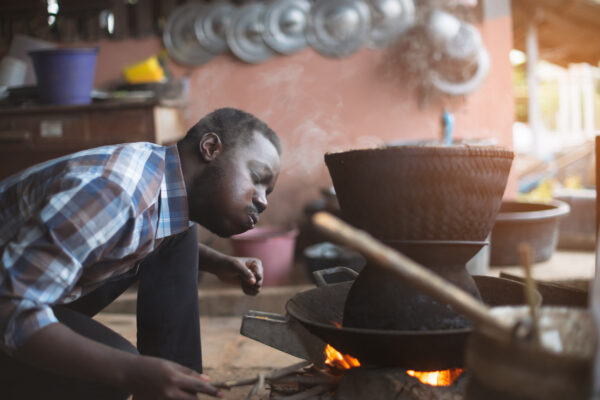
{"x":338,"y":28}
{"x":211,"y":26}
{"x":389,"y":19}
{"x":180,"y":38}
{"x":245,"y":34}
{"x":285,"y":23}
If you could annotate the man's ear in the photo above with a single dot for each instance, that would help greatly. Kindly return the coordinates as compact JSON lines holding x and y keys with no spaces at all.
{"x":210,"y":146}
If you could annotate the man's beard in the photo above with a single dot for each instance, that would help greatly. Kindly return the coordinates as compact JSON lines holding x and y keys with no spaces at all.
{"x":202,"y":201}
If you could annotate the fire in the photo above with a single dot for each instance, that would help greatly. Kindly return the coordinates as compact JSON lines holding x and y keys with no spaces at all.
{"x":338,"y":360}
{"x":447,"y":377}
{"x":437,"y":378}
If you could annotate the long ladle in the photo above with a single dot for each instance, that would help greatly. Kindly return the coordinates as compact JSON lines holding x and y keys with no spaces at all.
{"x":414,"y":273}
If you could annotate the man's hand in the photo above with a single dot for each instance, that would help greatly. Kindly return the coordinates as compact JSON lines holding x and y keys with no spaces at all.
{"x":155,"y":378}
{"x":241,"y":270}
{"x":247,"y":272}
{"x":58,"y":349}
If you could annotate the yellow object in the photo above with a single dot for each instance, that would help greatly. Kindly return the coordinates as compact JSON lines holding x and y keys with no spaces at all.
{"x":573,"y":182}
{"x":543,"y":192}
{"x":148,"y":70}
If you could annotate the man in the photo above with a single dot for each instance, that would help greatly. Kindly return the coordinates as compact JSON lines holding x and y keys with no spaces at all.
{"x":77,"y":231}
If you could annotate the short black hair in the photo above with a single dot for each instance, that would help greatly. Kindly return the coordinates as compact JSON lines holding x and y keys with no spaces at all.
{"x":233,"y":127}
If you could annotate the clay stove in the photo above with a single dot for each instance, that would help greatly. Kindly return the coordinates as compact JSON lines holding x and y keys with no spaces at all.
{"x":435,"y":204}
{"x":386,"y":355}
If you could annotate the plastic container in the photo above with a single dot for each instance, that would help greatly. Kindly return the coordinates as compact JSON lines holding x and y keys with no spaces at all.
{"x":578,"y":229}
{"x":20,"y":46}
{"x":65,"y":76}
{"x":12,"y":72}
{"x":274,"y":246}
{"x":148,"y":70}
{"x":533,"y":223}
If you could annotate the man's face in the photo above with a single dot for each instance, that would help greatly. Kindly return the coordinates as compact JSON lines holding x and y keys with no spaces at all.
{"x":233,"y":190}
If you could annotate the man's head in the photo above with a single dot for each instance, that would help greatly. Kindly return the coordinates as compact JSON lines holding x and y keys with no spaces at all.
{"x":230,"y":162}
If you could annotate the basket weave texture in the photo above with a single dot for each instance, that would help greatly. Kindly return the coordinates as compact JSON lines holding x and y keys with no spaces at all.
{"x":421,"y":192}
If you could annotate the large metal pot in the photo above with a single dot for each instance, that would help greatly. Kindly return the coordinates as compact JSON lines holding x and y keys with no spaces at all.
{"x":320,"y":310}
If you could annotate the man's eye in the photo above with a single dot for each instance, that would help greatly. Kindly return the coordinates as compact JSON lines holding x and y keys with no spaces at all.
{"x":255,"y":177}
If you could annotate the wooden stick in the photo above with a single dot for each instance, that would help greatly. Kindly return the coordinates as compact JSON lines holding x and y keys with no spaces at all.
{"x":273,"y":375}
{"x":309,"y":379}
{"x":307,"y":394}
{"x":259,"y":385}
{"x":415,"y":274}
{"x":526,"y":254}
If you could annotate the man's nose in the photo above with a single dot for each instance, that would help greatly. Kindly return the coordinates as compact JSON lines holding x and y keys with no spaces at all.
{"x":260,"y":201}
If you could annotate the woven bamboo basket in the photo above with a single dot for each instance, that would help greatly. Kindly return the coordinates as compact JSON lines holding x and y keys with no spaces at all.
{"x":421,"y":192}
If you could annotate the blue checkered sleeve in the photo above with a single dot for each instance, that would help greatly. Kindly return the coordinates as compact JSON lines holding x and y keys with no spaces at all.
{"x":80,"y":222}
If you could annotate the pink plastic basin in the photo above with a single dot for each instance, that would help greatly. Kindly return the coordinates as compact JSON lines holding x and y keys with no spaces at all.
{"x":274,"y":246}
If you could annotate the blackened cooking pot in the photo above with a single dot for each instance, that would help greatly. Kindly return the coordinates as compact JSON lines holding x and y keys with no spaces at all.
{"x":320,"y":310}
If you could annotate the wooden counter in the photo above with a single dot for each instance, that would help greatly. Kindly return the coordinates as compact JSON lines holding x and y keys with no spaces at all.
{"x":30,"y":135}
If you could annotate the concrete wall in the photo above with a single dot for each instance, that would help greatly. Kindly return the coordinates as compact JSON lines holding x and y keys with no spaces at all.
{"x":318,"y":104}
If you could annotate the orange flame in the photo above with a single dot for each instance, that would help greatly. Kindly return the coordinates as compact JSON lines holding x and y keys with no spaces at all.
{"x":437,"y":378}
{"x":338,"y":360}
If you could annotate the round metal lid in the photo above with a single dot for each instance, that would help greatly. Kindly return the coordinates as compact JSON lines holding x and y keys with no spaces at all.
{"x":285,"y":22}
{"x":244,"y":34}
{"x":337,"y":28}
{"x":469,"y":85}
{"x":180,"y":39}
{"x":211,"y":26}
{"x":389,"y":19}
{"x":465,"y":44}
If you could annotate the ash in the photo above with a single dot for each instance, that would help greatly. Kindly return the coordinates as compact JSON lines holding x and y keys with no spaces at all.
{"x":362,"y":384}
{"x":394,"y":384}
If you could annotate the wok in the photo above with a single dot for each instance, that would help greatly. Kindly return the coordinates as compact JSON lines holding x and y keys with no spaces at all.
{"x":320,"y":310}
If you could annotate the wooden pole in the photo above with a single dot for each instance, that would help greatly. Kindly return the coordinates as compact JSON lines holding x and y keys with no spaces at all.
{"x":533,"y":101}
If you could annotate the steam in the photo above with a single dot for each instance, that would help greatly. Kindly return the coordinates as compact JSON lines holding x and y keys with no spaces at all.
{"x":310,"y":141}
{"x":305,"y":149}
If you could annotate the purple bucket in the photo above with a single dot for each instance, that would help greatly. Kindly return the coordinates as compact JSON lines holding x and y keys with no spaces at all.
{"x":65,"y":76}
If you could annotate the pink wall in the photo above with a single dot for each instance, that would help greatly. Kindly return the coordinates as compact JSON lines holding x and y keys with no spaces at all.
{"x":318,"y":104}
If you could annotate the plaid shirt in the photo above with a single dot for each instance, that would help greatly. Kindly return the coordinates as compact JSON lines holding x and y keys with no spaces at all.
{"x":70,"y":224}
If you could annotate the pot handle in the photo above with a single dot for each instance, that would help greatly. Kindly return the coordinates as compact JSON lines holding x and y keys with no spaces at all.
{"x":283,"y":333}
{"x":322,"y":273}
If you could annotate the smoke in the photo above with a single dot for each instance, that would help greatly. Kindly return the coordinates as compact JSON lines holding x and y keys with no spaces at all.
{"x":305,"y":150}
{"x":303,"y":154}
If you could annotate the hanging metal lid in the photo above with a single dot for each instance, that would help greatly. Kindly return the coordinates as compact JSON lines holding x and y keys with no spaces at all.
{"x":337,"y":28}
{"x":211,"y":26}
{"x":469,"y":85}
{"x":285,"y":22}
{"x":180,"y":39}
{"x":389,"y":19}
{"x":244,"y":34}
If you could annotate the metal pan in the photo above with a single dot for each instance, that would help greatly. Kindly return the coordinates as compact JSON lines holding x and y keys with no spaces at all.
{"x":244,"y":34}
{"x":390,"y":19}
{"x":320,"y":311}
{"x":211,"y":26}
{"x":338,"y":28}
{"x":285,"y":22}
{"x":180,"y":39}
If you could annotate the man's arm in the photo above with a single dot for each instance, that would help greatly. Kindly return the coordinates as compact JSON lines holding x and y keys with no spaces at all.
{"x":59,"y":349}
{"x":246,"y":271}
{"x":44,"y":261}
